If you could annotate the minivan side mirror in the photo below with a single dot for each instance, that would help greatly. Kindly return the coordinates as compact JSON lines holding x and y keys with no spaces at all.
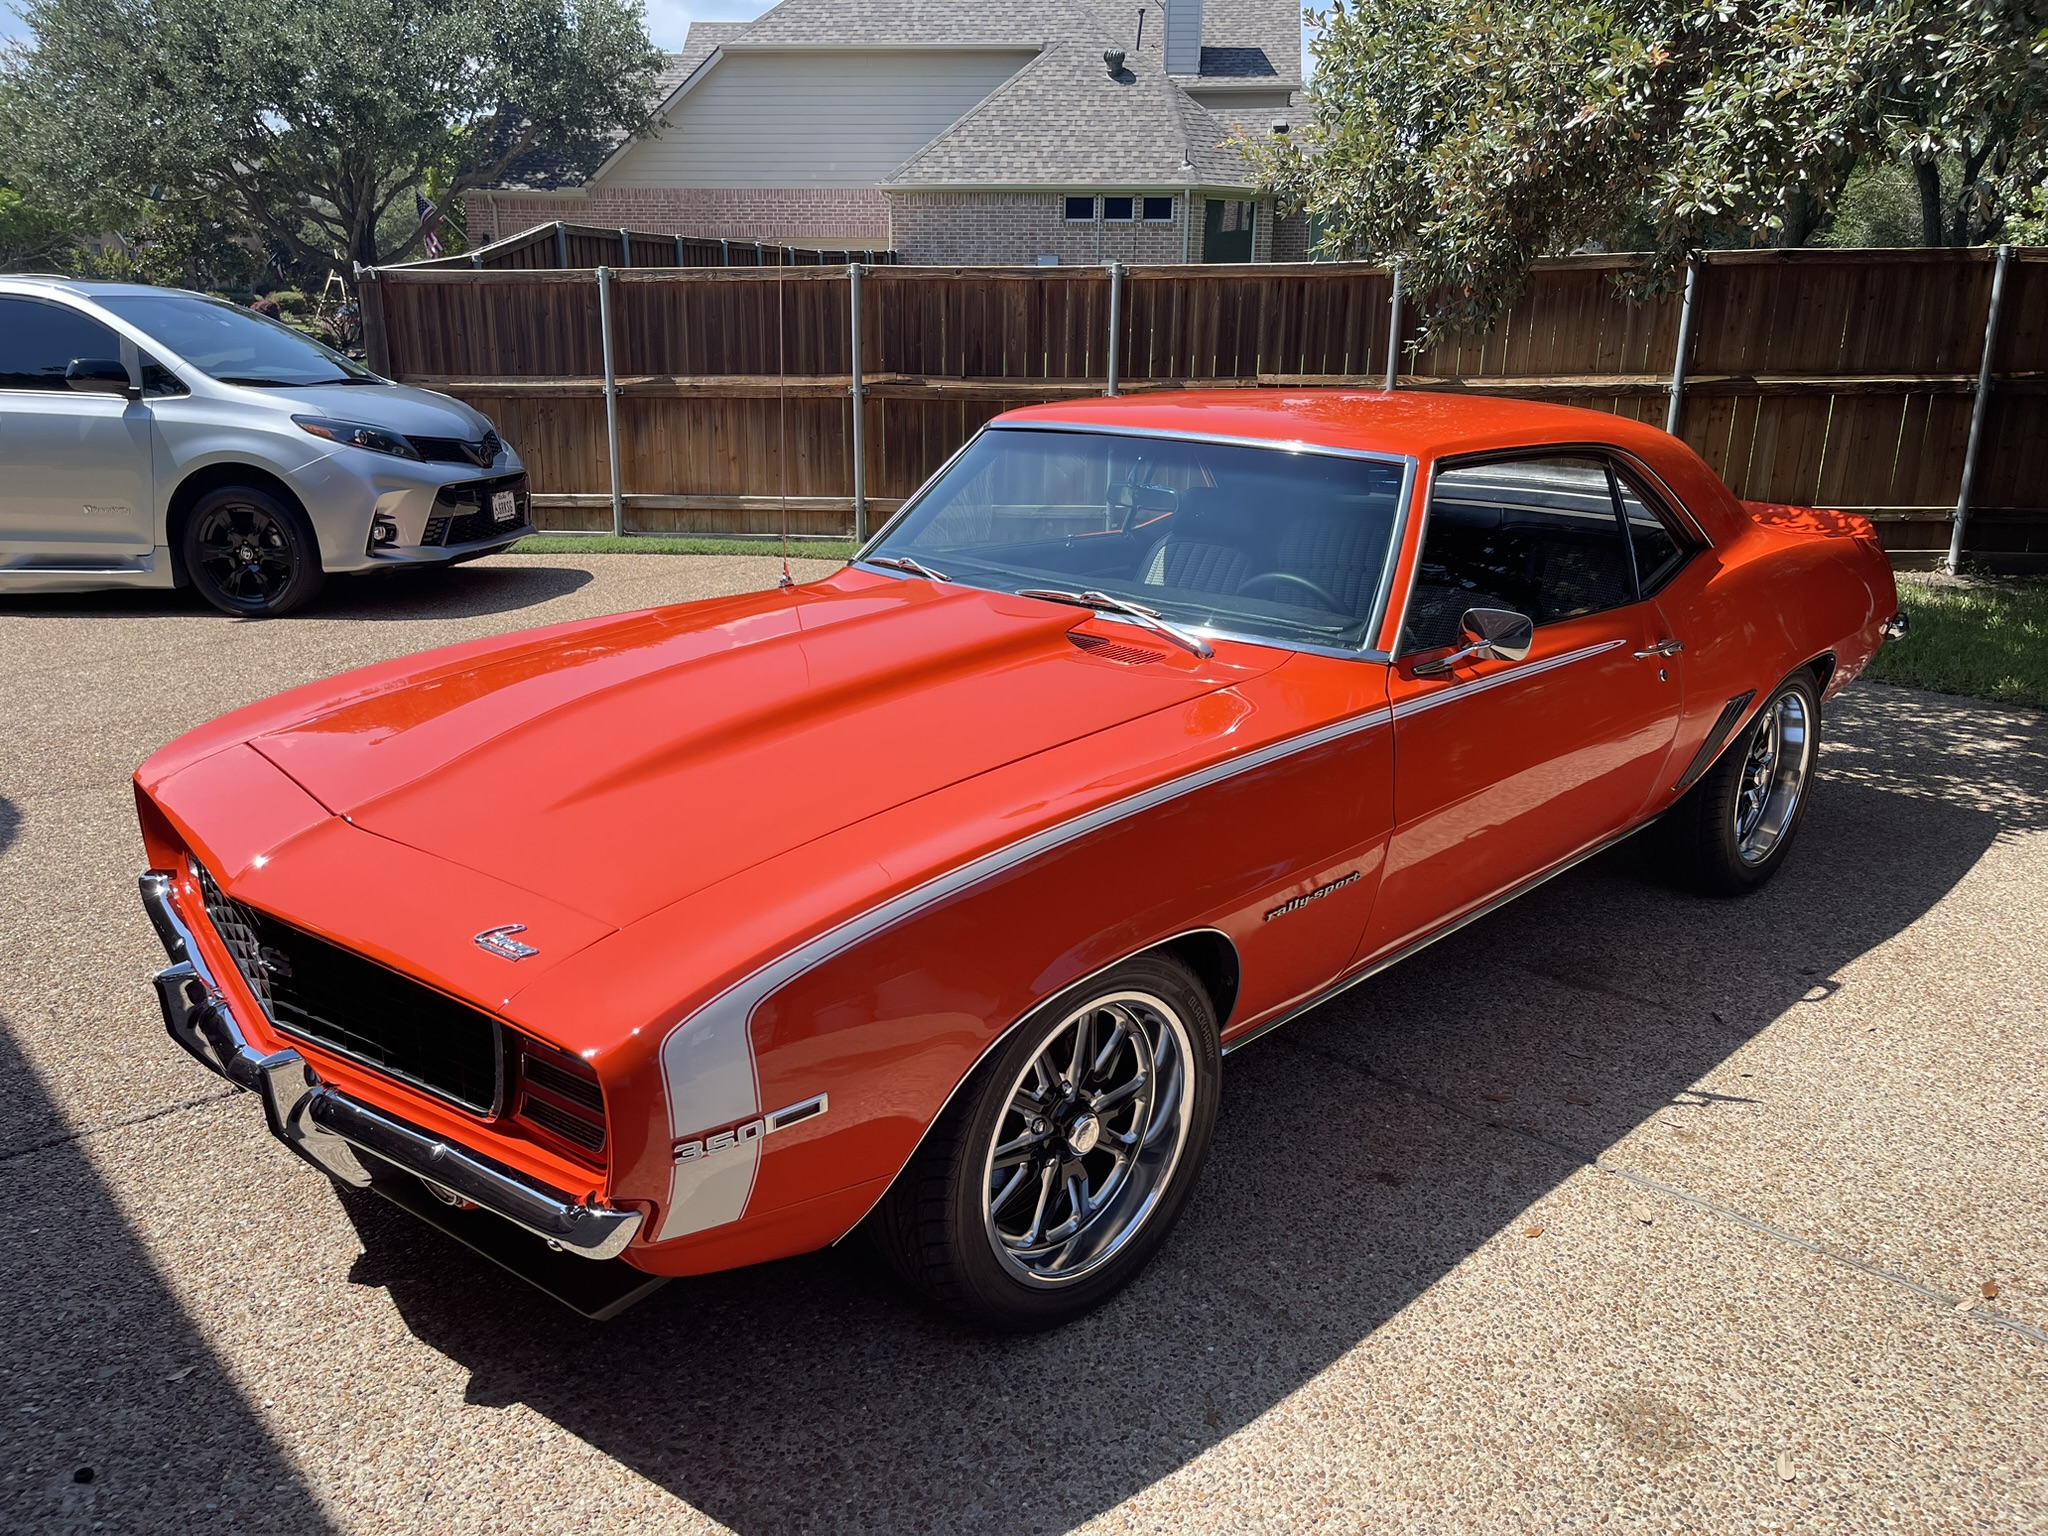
{"x":1490,"y":634}
{"x":100,"y":376}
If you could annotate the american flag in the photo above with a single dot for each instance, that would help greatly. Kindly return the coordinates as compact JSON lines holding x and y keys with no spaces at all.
{"x":430,"y":219}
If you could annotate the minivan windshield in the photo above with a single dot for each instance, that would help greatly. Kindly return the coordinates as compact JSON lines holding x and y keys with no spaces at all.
{"x":235,"y":345}
{"x":1280,"y":543}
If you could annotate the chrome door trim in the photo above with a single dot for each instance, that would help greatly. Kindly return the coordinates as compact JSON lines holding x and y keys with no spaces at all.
{"x":1485,"y":908}
{"x":709,"y":1075}
{"x":1452,"y":692}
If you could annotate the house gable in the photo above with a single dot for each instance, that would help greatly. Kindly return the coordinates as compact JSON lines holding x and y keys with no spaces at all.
{"x":797,"y":117}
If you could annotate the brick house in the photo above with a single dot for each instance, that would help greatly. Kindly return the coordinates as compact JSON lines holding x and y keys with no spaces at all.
{"x":964,"y":133}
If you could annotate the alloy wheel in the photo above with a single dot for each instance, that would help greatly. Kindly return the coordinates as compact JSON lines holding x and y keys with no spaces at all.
{"x":1089,"y":1138}
{"x":1774,"y":774}
{"x":245,"y":553}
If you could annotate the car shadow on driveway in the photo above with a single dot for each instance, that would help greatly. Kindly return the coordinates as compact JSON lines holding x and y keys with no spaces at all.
{"x":1353,"y":1167}
{"x":460,"y":592}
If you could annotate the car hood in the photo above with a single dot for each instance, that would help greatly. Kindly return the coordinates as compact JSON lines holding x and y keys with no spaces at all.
{"x":394,"y":407}
{"x":618,"y":766}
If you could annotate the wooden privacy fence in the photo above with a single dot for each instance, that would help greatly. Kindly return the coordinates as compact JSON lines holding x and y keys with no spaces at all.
{"x":716,"y":400}
{"x":561,"y":246}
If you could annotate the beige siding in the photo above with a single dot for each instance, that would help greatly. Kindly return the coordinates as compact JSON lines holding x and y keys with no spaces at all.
{"x":799,"y":119}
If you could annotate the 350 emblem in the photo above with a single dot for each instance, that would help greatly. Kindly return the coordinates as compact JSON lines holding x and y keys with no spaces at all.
{"x":714,"y":1142}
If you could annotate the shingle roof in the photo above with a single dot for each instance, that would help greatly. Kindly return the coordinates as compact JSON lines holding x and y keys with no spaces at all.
{"x":1060,"y":119}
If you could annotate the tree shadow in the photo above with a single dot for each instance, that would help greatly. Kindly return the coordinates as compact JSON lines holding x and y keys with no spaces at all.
{"x":118,"y":1416}
{"x":1352,"y":1169}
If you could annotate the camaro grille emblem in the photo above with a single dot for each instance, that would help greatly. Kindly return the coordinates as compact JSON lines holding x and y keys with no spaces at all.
{"x":499,"y":941}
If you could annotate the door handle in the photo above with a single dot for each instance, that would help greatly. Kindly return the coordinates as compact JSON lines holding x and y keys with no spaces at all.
{"x":1662,"y":648}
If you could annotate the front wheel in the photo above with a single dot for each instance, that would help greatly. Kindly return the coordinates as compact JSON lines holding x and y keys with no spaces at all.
{"x":250,"y":553}
{"x":1059,"y":1169}
{"x":1733,"y":829}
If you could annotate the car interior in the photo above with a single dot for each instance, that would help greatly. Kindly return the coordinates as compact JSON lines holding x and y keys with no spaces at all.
{"x":1251,"y":539}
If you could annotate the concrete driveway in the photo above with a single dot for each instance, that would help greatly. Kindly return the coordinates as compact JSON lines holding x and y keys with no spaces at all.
{"x":1618,"y":1210}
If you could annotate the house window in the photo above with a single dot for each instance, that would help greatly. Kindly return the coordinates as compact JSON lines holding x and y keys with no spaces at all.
{"x":1158,"y":210}
{"x":1080,"y":210}
{"x":1117,"y":210}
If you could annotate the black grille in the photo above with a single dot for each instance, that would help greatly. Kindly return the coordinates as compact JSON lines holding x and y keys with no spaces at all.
{"x":453,"y":450}
{"x":320,"y":992}
{"x":562,"y":1123}
{"x":462,"y":513}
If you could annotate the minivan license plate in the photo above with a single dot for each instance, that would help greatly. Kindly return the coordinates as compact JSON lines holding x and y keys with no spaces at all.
{"x":504,"y":507}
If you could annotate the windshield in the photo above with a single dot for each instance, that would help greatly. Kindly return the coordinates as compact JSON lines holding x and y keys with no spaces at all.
{"x":233,"y":345}
{"x":1274,"y":543}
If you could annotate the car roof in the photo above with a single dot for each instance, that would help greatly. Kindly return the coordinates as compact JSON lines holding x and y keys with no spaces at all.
{"x":85,"y":287}
{"x":1422,"y":423}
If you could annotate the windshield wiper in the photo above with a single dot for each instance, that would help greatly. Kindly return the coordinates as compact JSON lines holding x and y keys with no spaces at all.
{"x":905,"y":563}
{"x":1104,"y":603}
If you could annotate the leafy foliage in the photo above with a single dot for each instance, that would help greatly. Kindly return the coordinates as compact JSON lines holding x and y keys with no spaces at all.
{"x":1467,"y":137}
{"x":307,"y":124}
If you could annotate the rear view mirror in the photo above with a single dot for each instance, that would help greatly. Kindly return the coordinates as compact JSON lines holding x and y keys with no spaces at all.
{"x":1490,"y":634}
{"x":100,"y":376}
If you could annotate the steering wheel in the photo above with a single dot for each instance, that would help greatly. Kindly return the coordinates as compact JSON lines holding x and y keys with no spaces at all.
{"x":1289,"y":578}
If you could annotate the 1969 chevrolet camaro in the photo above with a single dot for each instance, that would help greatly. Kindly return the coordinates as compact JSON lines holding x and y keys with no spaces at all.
{"x":929,"y":897}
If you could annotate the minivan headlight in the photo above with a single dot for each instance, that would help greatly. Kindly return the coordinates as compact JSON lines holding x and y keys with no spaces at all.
{"x":356,"y":434}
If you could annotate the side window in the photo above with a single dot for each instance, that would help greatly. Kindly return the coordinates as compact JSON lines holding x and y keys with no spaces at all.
{"x":1658,"y":551}
{"x":39,"y":341}
{"x":1539,"y":536}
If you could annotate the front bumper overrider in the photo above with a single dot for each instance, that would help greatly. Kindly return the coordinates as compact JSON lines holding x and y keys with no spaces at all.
{"x":341,"y":1135}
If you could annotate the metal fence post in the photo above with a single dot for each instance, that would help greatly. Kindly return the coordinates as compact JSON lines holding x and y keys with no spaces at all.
{"x":1394,"y":333}
{"x":561,"y":245}
{"x":679,"y":252}
{"x":1977,"y":410}
{"x":1683,"y":358}
{"x":625,"y":248}
{"x":611,"y":397}
{"x":1116,"y":322}
{"x":859,"y":392}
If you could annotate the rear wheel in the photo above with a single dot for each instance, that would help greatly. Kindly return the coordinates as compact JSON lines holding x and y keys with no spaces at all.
{"x":251,"y":553}
{"x":1058,"y":1171}
{"x":1733,"y":829}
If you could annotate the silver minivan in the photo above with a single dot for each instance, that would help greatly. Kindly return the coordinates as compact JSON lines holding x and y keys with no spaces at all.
{"x":155,"y":438}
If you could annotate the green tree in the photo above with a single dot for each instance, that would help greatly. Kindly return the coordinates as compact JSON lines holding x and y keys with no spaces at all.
{"x":1467,"y":137}
{"x":309,"y":123}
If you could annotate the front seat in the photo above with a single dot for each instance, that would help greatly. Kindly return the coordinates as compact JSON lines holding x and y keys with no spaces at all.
{"x":1343,"y":554}
{"x":1193,"y":554}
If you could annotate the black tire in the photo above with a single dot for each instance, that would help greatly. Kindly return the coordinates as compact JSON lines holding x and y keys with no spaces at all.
{"x":1733,"y":829}
{"x":250,"y":553}
{"x":936,"y":1227}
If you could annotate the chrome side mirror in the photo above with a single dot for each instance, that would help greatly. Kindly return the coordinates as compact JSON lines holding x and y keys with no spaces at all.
{"x":1490,"y":634}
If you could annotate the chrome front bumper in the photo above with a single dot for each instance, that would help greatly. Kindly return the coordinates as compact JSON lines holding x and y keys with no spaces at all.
{"x":332,"y":1130}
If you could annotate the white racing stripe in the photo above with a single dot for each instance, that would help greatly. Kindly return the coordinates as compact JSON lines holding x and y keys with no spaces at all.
{"x":707,"y":1059}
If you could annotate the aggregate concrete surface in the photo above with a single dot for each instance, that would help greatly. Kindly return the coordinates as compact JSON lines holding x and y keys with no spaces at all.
{"x":1620,"y":1209}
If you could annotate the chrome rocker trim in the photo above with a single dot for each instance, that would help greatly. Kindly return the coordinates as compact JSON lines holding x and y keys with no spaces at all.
{"x":328,"y":1128}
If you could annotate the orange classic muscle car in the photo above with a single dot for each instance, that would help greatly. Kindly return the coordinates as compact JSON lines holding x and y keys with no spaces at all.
{"x":929,"y":897}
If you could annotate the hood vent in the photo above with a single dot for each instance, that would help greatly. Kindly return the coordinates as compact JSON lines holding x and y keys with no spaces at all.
{"x":1114,"y":650}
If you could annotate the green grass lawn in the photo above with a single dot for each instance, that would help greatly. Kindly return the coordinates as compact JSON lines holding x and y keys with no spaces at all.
{"x":641,"y":544}
{"x":1984,"y":637}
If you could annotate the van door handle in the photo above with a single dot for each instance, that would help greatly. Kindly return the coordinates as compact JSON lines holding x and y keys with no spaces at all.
{"x":1662,"y":648}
